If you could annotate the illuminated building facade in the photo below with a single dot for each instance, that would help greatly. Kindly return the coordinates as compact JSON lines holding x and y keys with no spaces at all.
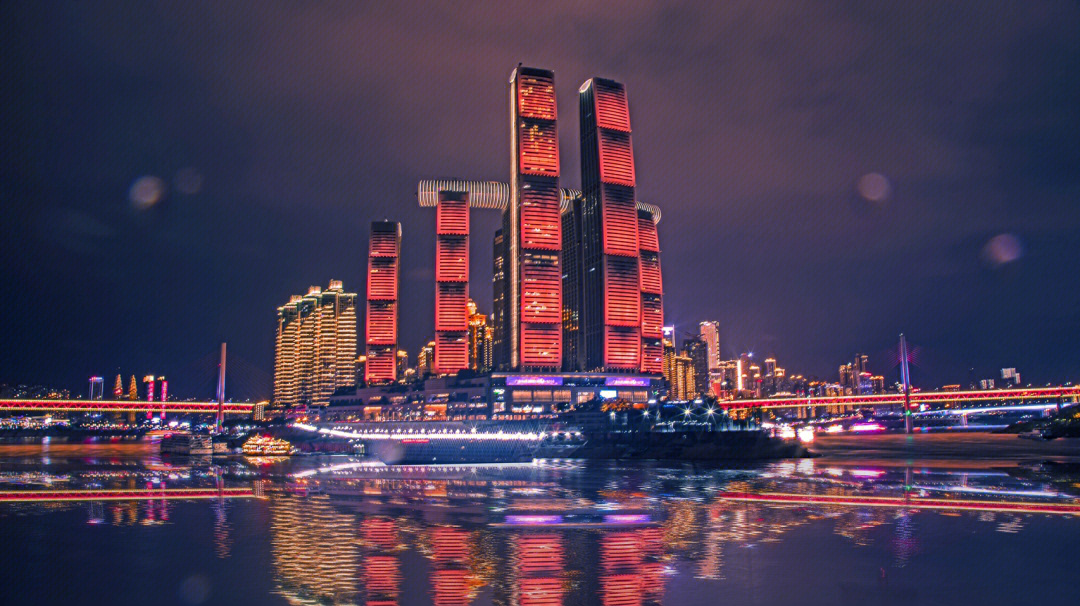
{"x":451,"y":282}
{"x":698,"y":351}
{"x":425,"y":361}
{"x":501,"y":331}
{"x":315,"y":346}
{"x":611,"y":314}
{"x":480,"y":340}
{"x":710,"y":333}
{"x":534,"y":296}
{"x":652,"y":291}
{"x":384,"y":250}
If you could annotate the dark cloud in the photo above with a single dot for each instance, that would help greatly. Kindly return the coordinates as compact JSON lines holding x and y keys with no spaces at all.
{"x":755,"y":124}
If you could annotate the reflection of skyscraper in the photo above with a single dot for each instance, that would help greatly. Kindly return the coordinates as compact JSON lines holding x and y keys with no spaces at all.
{"x":381,"y":568}
{"x":313,"y":549}
{"x":449,"y":580}
{"x":539,"y":566}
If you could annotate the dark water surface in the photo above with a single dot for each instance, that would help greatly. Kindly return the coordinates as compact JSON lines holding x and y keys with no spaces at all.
{"x":123,"y":527}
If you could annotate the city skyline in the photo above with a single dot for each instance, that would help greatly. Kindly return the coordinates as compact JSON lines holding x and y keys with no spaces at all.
{"x":889,"y":216}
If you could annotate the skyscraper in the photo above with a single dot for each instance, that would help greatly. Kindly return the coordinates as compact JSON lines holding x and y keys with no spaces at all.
{"x":451,"y":282}
{"x":652,"y":290}
{"x":710,"y":333}
{"x":479,"y":340}
{"x":532,"y":222}
{"x":315,"y":346}
{"x":698,"y":352}
{"x":572,"y":283}
{"x":611,"y":317}
{"x":501,"y":336}
{"x":380,"y":332}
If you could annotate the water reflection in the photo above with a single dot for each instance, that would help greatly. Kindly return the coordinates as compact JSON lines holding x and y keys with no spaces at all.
{"x":547,"y":534}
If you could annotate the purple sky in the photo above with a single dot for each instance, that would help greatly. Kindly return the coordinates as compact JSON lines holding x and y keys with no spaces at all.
{"x":280,"y":131}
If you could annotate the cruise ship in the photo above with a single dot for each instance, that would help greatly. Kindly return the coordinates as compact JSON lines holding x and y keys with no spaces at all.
{"x":501,"y":417}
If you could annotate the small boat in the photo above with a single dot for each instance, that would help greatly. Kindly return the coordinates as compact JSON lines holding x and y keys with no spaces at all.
{"x":186,"y":443}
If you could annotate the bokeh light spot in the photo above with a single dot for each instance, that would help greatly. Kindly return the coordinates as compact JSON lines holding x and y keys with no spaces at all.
{"x":194,"y":589}
{"x":146,"y":191}
{"x":874,"y":187}
{"x":1002,"y":249}
{"x":188,"y":181}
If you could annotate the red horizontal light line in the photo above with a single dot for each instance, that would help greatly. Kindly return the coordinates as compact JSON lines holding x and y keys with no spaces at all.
{"x":916,"y":398}
{"x":903,"y":502}
{"x":17,"y":496}
{"x":123,"y":406}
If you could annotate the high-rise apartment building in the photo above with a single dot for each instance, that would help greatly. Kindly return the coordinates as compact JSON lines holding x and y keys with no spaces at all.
{"x":381,"y":331}
{"x":315,"y":346}
{"x":532,"y":224}
{"x":710,"y":333}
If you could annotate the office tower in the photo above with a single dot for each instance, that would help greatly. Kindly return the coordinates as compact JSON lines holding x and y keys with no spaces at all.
{"x":451,"y":282}
{"x":479,"y":340}
{"x":668,"y":342}
{"x":710,"y":333}
{"x":698,"y":351}
{"x":611,"y":316}
{"x":358,"y":367}
{"x":652,"y":291}
{"x":498,"y":301}
{"x":877,"y":384}
{"x":532,"y":222}
{"x":770,"y":367}
{"x":384,"y":248}
{"x":487,"y":350}
{"x":315,"y":349}
{"x":425,"y":361}
{"x":572,"y":283}
{"x":847,"y":376}
{"x":402,"y":364}
{"x":1009,"y":375}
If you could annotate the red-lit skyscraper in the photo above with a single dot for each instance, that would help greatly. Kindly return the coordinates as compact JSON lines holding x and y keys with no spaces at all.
{"x":384,"y":248}
{"x":451,"y":282}
{"x":652,"y":291}
{"x":532,"y":224}
{"x":612,"y":288}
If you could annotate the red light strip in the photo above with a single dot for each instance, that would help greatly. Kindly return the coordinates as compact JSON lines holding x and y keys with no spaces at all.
{"x":916,"y":398}
{"x":121,"y":406}
{"x":152,"y":494}
{"x":902,"y":502}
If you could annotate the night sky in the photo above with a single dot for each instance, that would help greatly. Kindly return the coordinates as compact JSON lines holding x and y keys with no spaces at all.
{"x":830,"y":175}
